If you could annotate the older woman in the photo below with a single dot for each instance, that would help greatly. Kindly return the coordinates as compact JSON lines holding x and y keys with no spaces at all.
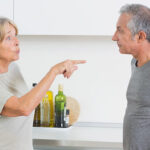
{"x":16,"y":102}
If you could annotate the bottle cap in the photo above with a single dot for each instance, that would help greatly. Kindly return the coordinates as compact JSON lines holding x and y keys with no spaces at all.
{"x":60,"y":87}
{"x":67,"y":111}
{"x":34,"y":84}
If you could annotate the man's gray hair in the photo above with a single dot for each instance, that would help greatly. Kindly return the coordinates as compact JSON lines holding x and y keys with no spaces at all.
{"x":140,"y":18}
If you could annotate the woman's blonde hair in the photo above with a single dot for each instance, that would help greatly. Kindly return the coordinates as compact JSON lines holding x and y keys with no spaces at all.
{"x":3,"y":22}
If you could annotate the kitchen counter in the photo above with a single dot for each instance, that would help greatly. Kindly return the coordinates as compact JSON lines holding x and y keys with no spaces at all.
{"x":94,"y":137}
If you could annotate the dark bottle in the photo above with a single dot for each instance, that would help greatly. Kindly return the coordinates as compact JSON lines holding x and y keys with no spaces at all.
{"x":60,"y":108}
{"x":37,"y":114}
{"x":67,"y":118}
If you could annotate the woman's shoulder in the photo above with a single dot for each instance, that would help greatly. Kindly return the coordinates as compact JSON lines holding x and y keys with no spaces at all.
{"x":13,"y":67}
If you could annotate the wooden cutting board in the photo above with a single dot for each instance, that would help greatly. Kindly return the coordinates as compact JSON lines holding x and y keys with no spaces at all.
{"x":74,"y":107}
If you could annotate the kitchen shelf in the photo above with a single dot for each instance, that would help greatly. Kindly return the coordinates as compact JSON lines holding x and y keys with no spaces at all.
{"x":75,"y":137}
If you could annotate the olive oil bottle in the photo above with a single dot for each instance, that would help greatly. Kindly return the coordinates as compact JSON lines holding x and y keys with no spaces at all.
{"x":60,"y":108}
{"x":47,"y":110}
{"x":50,"y":98}
{"x":37,"y":114}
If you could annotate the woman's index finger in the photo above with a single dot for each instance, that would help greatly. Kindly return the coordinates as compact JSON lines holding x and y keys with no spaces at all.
{"x":79,"y":61}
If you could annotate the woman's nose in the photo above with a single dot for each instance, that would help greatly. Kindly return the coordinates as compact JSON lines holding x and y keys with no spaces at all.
{"x":16,"y":41}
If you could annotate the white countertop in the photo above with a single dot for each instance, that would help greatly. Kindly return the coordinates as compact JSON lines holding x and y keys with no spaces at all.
{"x":76,"y":136}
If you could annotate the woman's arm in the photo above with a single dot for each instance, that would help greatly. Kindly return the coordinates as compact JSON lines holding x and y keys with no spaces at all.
{"x":24,"y":105}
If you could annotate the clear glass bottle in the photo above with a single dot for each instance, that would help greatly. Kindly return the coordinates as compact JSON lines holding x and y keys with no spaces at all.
{"x":45,"y":112}
{"x":60,"y":108}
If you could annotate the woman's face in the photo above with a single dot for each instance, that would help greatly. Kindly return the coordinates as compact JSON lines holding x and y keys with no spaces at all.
{"x":9,"y":47}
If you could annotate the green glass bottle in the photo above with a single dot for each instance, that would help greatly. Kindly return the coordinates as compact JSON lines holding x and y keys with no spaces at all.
{"x":60,"y":108}
{"x":37,"y":114}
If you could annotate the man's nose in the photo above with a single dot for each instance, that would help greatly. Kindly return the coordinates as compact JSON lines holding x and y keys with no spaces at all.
{"x":114,"y":37}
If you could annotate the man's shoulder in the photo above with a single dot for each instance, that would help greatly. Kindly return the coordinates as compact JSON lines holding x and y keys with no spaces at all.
{"x":133,"y":61}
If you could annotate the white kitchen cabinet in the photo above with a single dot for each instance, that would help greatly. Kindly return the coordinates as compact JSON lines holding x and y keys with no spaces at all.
{"x":68,"y":17}
{"x":65,"y":17}
{"x":6,"y":8}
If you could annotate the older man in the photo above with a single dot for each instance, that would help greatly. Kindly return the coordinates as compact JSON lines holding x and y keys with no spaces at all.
{"x":133,"y":37}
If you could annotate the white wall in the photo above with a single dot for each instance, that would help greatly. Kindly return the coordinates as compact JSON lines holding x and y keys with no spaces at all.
{"x":99,"y":85}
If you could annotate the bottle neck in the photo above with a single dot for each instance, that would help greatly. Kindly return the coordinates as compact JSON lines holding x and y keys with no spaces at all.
{"x":60,"y":92}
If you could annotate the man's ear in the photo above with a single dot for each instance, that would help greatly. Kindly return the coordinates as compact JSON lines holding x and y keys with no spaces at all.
{"x":141,"y":36}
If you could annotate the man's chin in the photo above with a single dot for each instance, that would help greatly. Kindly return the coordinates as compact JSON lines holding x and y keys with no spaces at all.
{"x":122,"y":52}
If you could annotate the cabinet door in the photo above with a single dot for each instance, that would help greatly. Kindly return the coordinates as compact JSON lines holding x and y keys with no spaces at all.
{"x":64,"y":17}
{"x":6,"y":8}
{"x":68,"y":17}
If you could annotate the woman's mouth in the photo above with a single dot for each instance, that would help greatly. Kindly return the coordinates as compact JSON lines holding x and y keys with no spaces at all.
{"x":18,"y":51}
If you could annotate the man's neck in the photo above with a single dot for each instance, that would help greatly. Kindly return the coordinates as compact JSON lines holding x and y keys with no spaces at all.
{"x":143,"y":55}
{"x":142,"y":59}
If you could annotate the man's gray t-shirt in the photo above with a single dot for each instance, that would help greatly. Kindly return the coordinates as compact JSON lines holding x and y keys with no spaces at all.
{"x":136,"y":127}
{"x":15,"y":132}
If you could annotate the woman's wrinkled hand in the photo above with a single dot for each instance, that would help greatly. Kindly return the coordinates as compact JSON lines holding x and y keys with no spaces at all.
{"x":66,"y":67}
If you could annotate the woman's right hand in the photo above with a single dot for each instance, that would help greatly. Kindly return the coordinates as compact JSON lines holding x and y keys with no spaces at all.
{"x":24,"y":105}
{"x":66,"y":67}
